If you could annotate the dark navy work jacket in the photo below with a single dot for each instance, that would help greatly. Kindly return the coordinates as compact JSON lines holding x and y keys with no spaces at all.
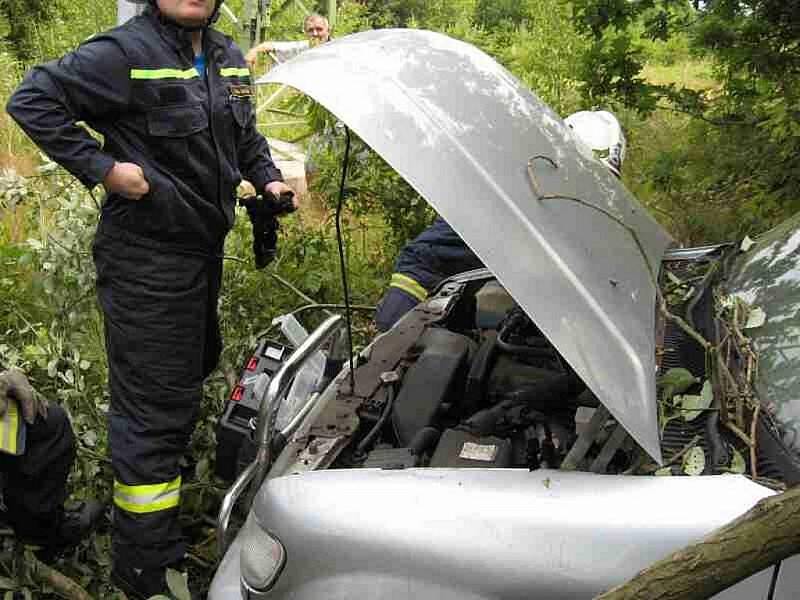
{"x":435,"y":254}
{"x":194,"y":136}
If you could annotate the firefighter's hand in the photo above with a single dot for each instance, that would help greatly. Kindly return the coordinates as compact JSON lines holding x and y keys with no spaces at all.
{"x":276,"y":188}
{"x":252,"y":55}
{"x":127,"y":180}
{"x":14,"y":386}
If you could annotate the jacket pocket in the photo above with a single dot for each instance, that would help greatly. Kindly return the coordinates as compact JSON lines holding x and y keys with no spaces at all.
{"x":242,"y":110}
{"x":172,"y":128}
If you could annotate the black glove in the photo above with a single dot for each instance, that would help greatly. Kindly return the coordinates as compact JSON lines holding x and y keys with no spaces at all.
{"x":264,"y":213}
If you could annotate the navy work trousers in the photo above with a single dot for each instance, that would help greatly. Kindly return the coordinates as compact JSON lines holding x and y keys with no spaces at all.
{"x":162,"y":340}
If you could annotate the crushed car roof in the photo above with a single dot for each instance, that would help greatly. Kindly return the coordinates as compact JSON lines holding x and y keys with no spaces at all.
{"x":558,"y":230}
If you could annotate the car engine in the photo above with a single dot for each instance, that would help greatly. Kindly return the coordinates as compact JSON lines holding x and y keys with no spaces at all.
{"x":480,"y":387}
{"x":466,"y":379}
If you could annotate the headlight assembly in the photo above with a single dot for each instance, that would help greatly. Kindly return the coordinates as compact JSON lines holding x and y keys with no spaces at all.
{"x":262,"y":558}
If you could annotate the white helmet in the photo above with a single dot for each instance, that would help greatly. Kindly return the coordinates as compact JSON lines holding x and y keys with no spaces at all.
{"x":601,"y":132}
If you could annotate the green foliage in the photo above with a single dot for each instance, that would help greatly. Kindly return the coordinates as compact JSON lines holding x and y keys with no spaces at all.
{"x":393,"y":13}
{"x":736,"y":165}
{"x":494,"y":13}
{"x":541,"y":47}
{"x":36,"y":30}
{"x":372,"y":187}
{"x":24,"y":17}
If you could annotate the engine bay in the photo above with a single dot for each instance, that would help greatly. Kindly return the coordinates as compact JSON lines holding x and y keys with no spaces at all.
{"x":480,"y":386}
{"x":467,"y":379}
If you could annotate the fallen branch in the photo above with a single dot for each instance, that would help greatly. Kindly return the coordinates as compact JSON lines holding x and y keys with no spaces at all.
{"x":765,"y":535}
{"x":61,"y":584}
{"x":28,"y":568}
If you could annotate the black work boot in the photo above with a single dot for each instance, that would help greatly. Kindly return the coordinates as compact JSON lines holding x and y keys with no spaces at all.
{"x":76,"y":523}
{"x":141,"y":584}
{"x":79,"y":521}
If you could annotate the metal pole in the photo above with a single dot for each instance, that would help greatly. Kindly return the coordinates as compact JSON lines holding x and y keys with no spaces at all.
{"x":264,"y":10}
{"x":332,"y":13}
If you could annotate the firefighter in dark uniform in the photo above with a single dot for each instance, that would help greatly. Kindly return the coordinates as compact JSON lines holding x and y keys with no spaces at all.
{"x":173,"y":100}
{"x":37,"y":449}
{"x":435,"y":254}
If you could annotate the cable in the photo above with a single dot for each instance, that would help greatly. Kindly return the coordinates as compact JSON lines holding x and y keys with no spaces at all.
{"x":342,"y":264}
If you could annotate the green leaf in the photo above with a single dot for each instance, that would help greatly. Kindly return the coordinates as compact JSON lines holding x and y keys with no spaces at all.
{"x":674,"y":278}
{"x":34,"y":244}
{"x":203,"y":468}
{"x":692,"y":405}
{"x":737,"y":462}
{"x":755,"y":318}
{"x":7,"y":584}
{"x":727,"y":301}
{"x":90,"y":438}
{"x":664,"y":472}
{"x":676,"y":381}
{"x":177,"y":583}
{"x":694,"y":463}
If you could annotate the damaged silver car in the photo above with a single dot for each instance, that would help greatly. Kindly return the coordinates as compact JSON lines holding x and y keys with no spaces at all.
{"x":544,"y":428}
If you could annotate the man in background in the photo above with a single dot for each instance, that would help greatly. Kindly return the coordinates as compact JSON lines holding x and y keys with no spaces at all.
{"x":315,"y":27}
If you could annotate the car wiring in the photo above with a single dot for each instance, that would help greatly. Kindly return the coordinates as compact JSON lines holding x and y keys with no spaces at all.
{"x":342,"y":264}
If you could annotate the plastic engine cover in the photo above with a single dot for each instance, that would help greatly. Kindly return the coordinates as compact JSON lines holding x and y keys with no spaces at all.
{"x":459,"y":449}
{"x":438,"y":372}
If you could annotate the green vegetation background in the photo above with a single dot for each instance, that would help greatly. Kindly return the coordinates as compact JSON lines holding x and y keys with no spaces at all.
{"x":708,"y":99}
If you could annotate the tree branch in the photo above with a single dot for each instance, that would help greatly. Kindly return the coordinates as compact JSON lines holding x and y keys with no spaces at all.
{"x":763,"y":536}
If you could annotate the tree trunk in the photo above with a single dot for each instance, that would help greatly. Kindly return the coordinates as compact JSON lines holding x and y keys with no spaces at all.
{"x":763,"y":536}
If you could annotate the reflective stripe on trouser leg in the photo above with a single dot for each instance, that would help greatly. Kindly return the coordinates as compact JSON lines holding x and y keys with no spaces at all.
{"x":161,"y":339}
{"x":12,"y":431}
{"x":148,"y":498}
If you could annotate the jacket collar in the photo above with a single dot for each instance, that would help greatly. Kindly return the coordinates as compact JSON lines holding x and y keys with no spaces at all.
{"x":180,"y":39}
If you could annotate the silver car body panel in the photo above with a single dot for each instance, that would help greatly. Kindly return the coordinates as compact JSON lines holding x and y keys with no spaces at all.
{"x":480,"y":533}
{"x":466,"y":134}
{"x":788,"y":581}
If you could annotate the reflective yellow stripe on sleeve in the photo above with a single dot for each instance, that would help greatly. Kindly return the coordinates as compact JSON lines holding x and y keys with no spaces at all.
{"x":148,"y":498}
{"x":234,"y":72}
{"x":10,"y":431}
{"x":409,"y":286}
{"x":164,"y":73}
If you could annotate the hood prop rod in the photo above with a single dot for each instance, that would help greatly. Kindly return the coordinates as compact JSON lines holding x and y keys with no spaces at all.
{"x":342,"y":264}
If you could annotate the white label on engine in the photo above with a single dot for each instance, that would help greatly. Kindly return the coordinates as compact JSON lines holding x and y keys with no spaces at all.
{"x":274,"y":353}
{"x":473,"y":451}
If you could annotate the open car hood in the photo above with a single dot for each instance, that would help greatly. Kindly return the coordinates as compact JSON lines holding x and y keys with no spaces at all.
{"x":500,"y":166}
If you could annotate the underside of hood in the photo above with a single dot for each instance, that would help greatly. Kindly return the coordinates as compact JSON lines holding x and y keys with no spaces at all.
{"x":557,"y":229}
